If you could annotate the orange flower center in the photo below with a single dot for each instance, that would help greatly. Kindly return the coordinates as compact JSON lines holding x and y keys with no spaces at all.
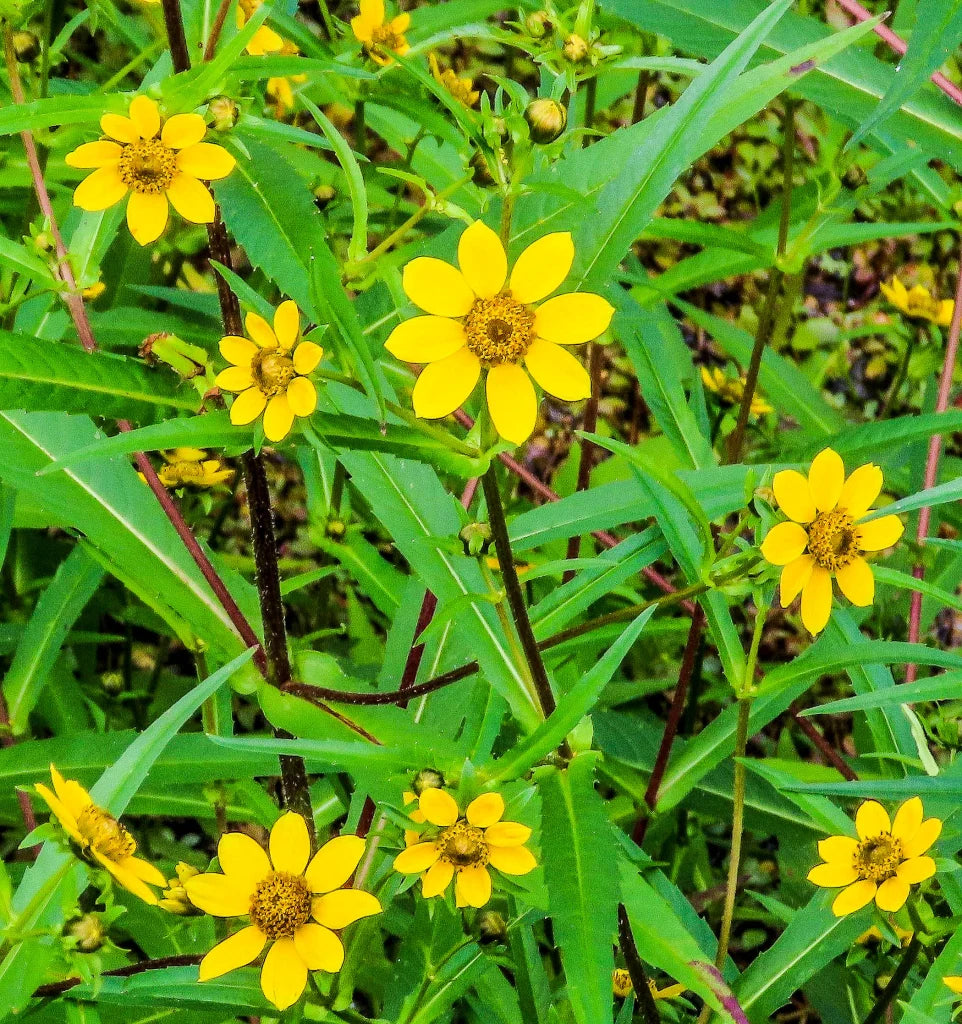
{"x":833,"y":540}
{"x":499,"y":330}
{"x":281,"y":904}
{"x":102,"y":832}
{"x":272,"y":370}
{"x":383,"y":37}
{"x":147,"y":166}
{"x":463,"y":845}
{"x":878,"y":857}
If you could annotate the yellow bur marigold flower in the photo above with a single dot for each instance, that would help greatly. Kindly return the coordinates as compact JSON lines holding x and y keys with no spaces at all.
{"x":918,"y":302}
{"x":883,"y":862}
{"x":825,"y":537}
{"x":264,"y":40}
{"x":190,"y":467}
{"x":463,"y":846}
{"x":100,"y":836}
{"x":462,"y":89}
{"x":379,"y":37}
{"x":155,"y":165}
{"x":731,"y":389}
{"x":474,"y":321}
{"x":280,"y":894}
{"x":270,"y":372}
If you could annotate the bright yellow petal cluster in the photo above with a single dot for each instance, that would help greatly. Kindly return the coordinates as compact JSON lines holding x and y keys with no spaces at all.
{"x":462,"y":89}
{"x":294,"y":901}
{"x":190,"y":467}
{"x":474,"y":321}
{"x":885,"y":860}
{"x":731,"y":389}
{"x":270,"y":372}
{"x":463,"y":848}
{"x":918,"y":302}
{"x":379,"y":37}
{"x":156,"y":165}
{"x":825,"y":537}
{"x":100,"y":836}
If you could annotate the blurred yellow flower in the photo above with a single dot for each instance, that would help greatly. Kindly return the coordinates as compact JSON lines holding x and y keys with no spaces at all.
{"x":264,"y":40}
{"x":94,"y":291}
{"x":825,"y":537}
{"x":270,"y":371}
{"x":918,"y":302}
{"x":621,"y":986}
{"x":462,"y":89}
{"x":885,"y":860}
{"x":380,"y":38}
{"x":954,"y":983}
{"x":190,"y":467}
{"x":100,"y":836}
{"x":463,"y":848}
{"x":280,"y":894}
{"x":155,"y":165}
{"x":731,"y":389}
{"x":475,"y":321}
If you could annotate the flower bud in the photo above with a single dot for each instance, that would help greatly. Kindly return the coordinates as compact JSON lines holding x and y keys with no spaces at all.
{"x":88,"y":932}
{"x":621,"y":984}
{"x":174,"y":898}
{"x":335,"y":529}
{"x":427,"y":778}
{"x":223,"y":113}
{"x":182,"y":357}
{"x":26,"y":46}
{"x":112,"y":682}
{"x":491,"y":927}
{"x":476,"y":538}
{"x":480,"y":171}
{"x":575,"y":49}
{"x":323,"y":195}
{"x":547,"y":120}
{"x":538,"y":24}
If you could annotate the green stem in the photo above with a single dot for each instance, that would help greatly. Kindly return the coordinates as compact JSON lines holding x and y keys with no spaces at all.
{"x":360,"y":128}
{"x":899,"y":379}
{"x":891,"y":990}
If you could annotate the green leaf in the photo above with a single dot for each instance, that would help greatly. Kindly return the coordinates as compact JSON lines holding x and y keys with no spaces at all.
{"x":450,"y":982}
{"x":951,"y":490}
{"x":947,"y":686}
{"x":71,"y":110}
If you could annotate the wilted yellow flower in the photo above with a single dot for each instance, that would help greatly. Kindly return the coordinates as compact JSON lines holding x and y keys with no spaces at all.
{"x":100,"y":836}
{"x":621,"y":986}
{"x":264,"y":40}
{"x":280,"y":894}
{"x":883,"y":862}
{"x":174,"y":898}
{"x":270,"y":371}
{"x":380,"y":38}
{"x":462,"y":89}
{"x":190,"y":467}
{"x":463,"y":846}
{"x":918,"y":302}
{"x":825,"y":537}
{"x":475,"y":321}
{"x":154,"y":170}
{"x":731,"y":389}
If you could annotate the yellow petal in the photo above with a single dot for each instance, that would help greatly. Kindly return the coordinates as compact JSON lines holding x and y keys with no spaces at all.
{"x":284,"y":974}
{"x":892,"y":894}
{"x":129,"y":879}
{"x":879,"y":533}
{"x":278,"y":418}
{"x":573,"y":319}
{"x":425,"y":339}
{"x":817,"y":600}
{"x":264,"y":40}
{"x":437,"y":287}
{"x":238,"y":351}
{"x":794,"y":496}
{"x":74,"y":797}
{"x":260,"y":330}
{"x":784,"y":543}
{"x":857,"y":583}
{"x":895,"y":293}
{"x":557,"y":371}
{"x":946,"y":310}
{"x":287,"y":323}
{"x":302,"y":396}
{"x":512,"y":403}
{"x":218,"y":895}
{"x":342,"y":907}
{"x":191,"y":199}
{"x":507,"y":833}
{"x":416,"y":859}
{"x":871,"y":819}
{"x":542,"y":267}
{"x":512,"y":860}
{"x":334,"y":863}
{"x":99,"y":190}
{"x":482,"y":260}
{"x":373,"y":11}
{"x":860,"y":490}
{"x":306,"y":357}
{"x":362,"y":28}
{"x":119,"y":127}
{"x":954,"y":983}
{"x":908,"y":819}
{"x":183,"y":130}
{"x":915,"y":870}
{"x":485,"y":810}
{"x":239,"y":950}
{"x":472,"y":887}
{"x":93,"y":154}
{"x":290,"y":843}
{"x":234,"y":378}
{"x":398,"y":25}
{"x":144,"y":870}
{"x":243,"y":860}
{"x":837,"y":848}
{"x":856,"y":896}
{"x":437,"y":878}
{"x":445,"y":385}
{"x":205,"y":160}
{"x":146,"y":216}
{"x":794,"y":577}
{"x":66,"y":819}
{"x":247,"y":406}
{"x":826,"y":477}
{"x":928,"y":832}
{"x":145,"y":116}
{"x":438,"y":807}
{"x":319,"y":948}
{"x":831,"y":876}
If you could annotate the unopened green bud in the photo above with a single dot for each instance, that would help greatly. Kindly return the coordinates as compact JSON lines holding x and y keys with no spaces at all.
{"x":223,"y":113}
{"x":575,"y":49}
{"x":335,"y":529}
{"x":538,"y":24}
{"x":323,"y":195}
{"x":480,"y":171}
{"x":88,"y":932}
{"x":182,"y":357}
{"x":476,"y":538}
{"x":427,"y":778}
{"x":547,"y":120}
{"x":112,"y":682}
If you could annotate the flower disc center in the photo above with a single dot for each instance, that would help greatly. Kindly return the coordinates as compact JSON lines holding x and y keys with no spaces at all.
{"x":384,"y":37}
{"x":281,"y":904}
{"x":833,"y":540}
{"x":147,"y":166}
{"x":921,"y":304}
{"x":103,"y":832}
{"x":499,"y":329}
{"x":272,"y":370}
{"x":463,"y":846}
{"x":878,"y":857}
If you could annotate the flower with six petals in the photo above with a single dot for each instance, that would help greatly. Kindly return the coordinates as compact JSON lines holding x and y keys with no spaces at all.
{"x":379,"y":37}
{"x":918,"y":302}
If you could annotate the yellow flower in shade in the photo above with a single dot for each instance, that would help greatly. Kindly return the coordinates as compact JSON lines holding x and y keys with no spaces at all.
{"x":100,"y":836}
{"x":464,"y":847}
{"x":918,"y":302}
{"x":270,"y":372}
{"x":885,"y":860}
{"x":474,"y":321}
{"x":264,"y":40}
{"x":380,"y":38}
{"x":462,"y":89}
{"x":825,"y":537}
{"x":874,"y":934}
{"x":621,"y":986}
{"x":731,"y":389}
{"x":280,"y":894}
{"x":190,"y":467}
{"x":155,"y":165}
{"x":954,"y":983}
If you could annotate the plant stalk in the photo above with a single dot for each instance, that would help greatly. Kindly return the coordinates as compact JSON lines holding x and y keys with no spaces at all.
{"x":891,"y":990}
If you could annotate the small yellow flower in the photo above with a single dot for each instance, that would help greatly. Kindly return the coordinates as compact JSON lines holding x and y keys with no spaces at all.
{"x":94,"y":291}
{"x":190,"y":467}
{"x":463,"y":846}
{"x":874,"y":934}
{"x":280,"y":894}
{"x":825,"y":537}
{"x":954,"y":983}
{"x":155,"y":165}
{"x":885,"y":860}
{"x":621,"y":986}
{"x":731,"y":389}
{"x":270,"y":371}
{"x":918,"y":302}
{"x":462,"y":89}
{"x":174,"y":898}
{"x":264,"y":40}
{"x":100,"y":836}
{"x":475,"y":321}
{"x":380,"y":38}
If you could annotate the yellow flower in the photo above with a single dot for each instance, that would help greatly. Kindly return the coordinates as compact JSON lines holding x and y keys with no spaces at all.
{"x":264,"y":40}
{"x":270,"y":371}
{"x":190,"y":467}
{"x":621,"y":986}
{"x":280,"y":894}
{"x":918,"y":302}
{"x":465,"y":846}
{"x":174,"y":897}
{"x":281,"y":91}
{"x":825,"y":537}
{"x":462,"y":89}
{"x":475,"y":322}
{"x":883,"y":862}
{"x":154,"y":170}
{"x":380,"y":38}
{"x":731,"y":389}
{"x":100,"y":836}
{"x":954,"y":983}
{"x":874,"y":934}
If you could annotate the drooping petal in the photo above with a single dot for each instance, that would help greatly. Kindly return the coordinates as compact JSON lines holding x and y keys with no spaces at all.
{"x":438,"y":807}
{"x":573,"y":319}
{"x":507,"y":833}
{"x":437,"y":878}
{"x":237,"y":350}
{"x":302,"y":396}
{"x":144,"y":870}
{"x":879,"y":533}
{"x":191,"y":199}
{"x":482,"y":260}
{"x":205,"y":160}
{"x":284,"y":974}
{"x":794,"y":496}
{"x":306,"y":357}
{"x":485,"y":810}
{"x":928,"y":832}
{"x":425,"y":339}
{"x":831,"y":876}
{"x":319,"y":948}
{"x":472,"y":887}
{"x":892,"y":894}
{"x":856,"y":896}
{"x":837,"y":848}
{"x":126,"y":877}
{"x":241,"y":949}
{"x":183,"y":130}
{"x":234,"y":378}
{"x":342,"y":907}
{"x":119,"y":127}
{"x":146,"y":216}
{"x":260,"y":330}
{"x":219,"y":895}
{"x":437,"y":287}
{"x":290,"y":843}
{"x":542,"y":267}
{"x":287,"y":323}
{"x":512,"y":402}
{"x":416,"y":859}
{"x":826,"y":477}
{"x":871,"y":819}
{"x":915,"y":870}
{"x":512,"y":860}
{"x":817,"y":600}
{"x":860,"y":490}
{"x":247,"y":406}
{"x":446,"y":385}
{"x":784,"y":543}
{"x":557,"y":371}
{"x":857,"y":583}
{"x":145,"y":116}
{"x":794,"y":577}
{"x":93,"y":154}
{"x":334,"y":863}
{"x":100,"y":189}
{"x":243,"y":860}
{"x":908,"y":819}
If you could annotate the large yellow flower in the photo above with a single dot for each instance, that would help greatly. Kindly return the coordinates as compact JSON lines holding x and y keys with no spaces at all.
{"x":463,"y":846}
{"x":280,"y":894}
{"x":475,"y":321}
{"x":154,"y":170}
{"x":270,"y":372}
{"x":918,"y":302}
{"x":100,"y":836}
{"x":885,"y":860}
{"x":379,"y":37}
{"x":826,"y":537}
